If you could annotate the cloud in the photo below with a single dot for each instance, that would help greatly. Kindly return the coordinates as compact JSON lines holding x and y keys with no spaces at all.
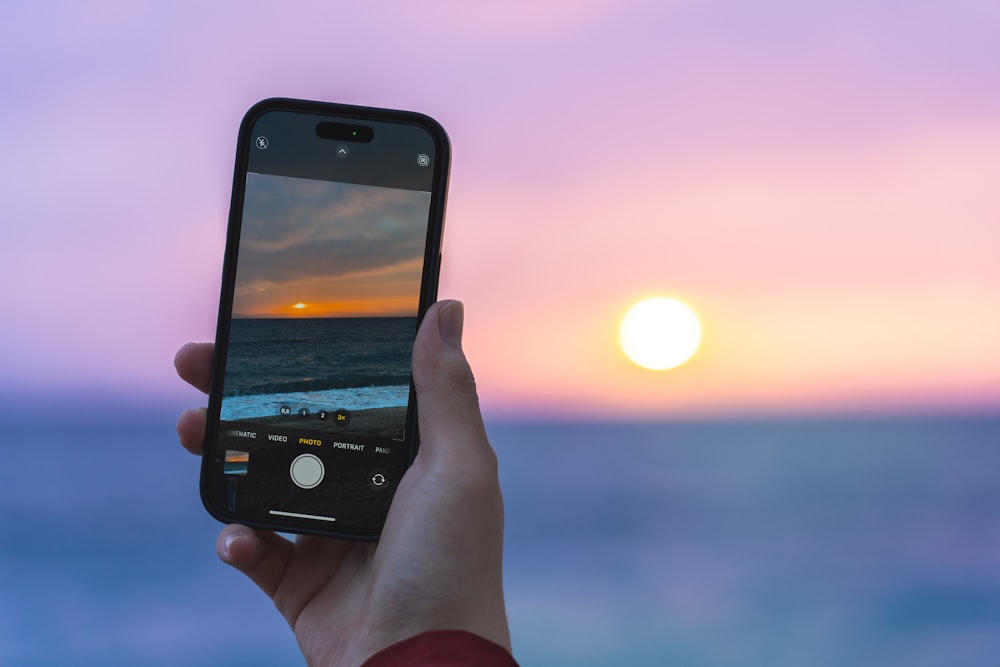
{"x":296,"y":229}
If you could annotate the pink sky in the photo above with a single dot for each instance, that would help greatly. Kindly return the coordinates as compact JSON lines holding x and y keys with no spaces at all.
{"x":817,"y":180}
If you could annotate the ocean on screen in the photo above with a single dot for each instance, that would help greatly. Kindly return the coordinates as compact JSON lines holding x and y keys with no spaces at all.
{"x":853,"y":541}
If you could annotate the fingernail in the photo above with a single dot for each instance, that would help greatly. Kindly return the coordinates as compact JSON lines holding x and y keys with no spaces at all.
{"x":450,"y":320}
{"x":228,"y":542}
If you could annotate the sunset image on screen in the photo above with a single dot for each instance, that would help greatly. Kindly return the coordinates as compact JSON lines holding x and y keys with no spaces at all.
{"x":325,"y":304}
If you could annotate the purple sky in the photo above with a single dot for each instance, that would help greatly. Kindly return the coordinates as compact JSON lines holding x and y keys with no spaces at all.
{"x":603,"y":151}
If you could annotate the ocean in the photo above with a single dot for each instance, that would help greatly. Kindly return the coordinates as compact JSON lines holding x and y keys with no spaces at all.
{"x":871,"y":541}
{"x":317,"y":363}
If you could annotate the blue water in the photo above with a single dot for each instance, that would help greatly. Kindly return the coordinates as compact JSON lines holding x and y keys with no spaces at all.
{"x":871,"y":542}
{"x":359,"y":398}
{"x":317,"y":363}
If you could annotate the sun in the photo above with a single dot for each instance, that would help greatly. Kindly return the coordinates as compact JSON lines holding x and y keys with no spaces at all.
{"x":299,"y":306}
{"x":660,"y":333}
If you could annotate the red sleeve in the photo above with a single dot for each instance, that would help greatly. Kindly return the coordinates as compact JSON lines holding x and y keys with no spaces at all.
{"x":443,"y":648}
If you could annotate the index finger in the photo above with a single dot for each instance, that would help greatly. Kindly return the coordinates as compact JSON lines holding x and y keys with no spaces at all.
{"x":194,"y":364}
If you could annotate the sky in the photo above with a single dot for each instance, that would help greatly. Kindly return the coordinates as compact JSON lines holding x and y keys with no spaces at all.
{"x":320,"y":249}
{"x":817,"y":180}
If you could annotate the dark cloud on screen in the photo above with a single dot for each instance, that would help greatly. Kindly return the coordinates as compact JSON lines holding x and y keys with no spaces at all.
{"x":296,"y":228}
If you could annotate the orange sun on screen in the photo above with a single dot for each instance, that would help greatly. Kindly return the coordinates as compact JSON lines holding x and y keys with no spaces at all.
{"x":660,"y":333}
{"x":299,"y":306}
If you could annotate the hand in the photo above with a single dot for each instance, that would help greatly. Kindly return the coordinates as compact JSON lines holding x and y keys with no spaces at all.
{"x":438,"y":563}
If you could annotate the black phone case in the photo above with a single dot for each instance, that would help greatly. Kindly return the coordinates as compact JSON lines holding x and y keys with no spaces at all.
{"x":428,"y":289}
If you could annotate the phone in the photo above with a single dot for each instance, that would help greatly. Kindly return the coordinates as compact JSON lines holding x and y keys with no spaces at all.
{"x":332,"y":257}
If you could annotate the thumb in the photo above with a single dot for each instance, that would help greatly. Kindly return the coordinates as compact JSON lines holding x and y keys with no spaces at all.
{"x":451,"y":425}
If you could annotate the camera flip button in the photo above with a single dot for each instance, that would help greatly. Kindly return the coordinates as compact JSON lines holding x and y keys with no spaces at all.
{"x":307,"y":471}
{"x":377,"y":480}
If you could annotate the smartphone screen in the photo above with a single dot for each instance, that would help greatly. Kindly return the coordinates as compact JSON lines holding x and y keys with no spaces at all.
{"x":332,"y":257}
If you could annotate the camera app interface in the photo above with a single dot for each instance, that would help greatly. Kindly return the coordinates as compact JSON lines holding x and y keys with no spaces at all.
{"x":316,"y":391}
